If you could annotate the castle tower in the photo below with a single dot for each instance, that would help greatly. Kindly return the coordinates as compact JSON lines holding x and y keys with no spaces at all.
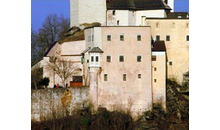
{"x":94,"y":71}
{"x":87,"y":11}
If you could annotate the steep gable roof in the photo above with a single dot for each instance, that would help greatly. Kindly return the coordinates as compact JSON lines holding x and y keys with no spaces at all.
{"x":86,"y":50}
{"x":136,"y":5}
{"x":54,"y":43}
{"x":96,"y":50}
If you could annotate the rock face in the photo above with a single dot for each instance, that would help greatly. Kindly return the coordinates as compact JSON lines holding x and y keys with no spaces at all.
{"x":175,"y":118}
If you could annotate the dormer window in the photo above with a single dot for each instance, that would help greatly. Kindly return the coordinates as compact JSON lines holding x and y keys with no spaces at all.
{"x":95,"y":56}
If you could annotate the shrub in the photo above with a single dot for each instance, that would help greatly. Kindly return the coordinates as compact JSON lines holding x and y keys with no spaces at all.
{"x":45,"y":81}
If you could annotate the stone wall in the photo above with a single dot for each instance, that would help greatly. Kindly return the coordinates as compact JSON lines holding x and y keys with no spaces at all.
{"x":46,"y":103}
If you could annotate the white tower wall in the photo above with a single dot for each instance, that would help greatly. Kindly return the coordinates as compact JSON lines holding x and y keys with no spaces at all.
{"x":87,"y":11}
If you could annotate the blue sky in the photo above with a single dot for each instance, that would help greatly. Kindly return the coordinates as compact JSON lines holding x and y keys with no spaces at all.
{"x":41,"y":8}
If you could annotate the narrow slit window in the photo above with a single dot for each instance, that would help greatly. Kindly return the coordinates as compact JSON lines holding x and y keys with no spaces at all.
{"x":105,"y":77}
{"x":117,"y":22}
{"x":168,"y":38}
{"x":113,"y":12}
{"x":155,"y":80}
{"x":155,"y":69}
{"x":187,"y":37}
{"x":124,"y":77}
{"x":92,"y":59}
{"x":187,"y":25}
{"x":97,"y":59}
{"x":157,"y":25}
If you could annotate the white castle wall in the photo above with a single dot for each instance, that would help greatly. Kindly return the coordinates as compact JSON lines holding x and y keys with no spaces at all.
{"x":87,"y":11}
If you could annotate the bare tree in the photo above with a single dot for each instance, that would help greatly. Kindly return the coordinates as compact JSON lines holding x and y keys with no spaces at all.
{"x":49,"y":32}
{"x":65,"y":25}
{"x":34,"y":48}
{"x":53,"y":29}
{"x":63,"y":68}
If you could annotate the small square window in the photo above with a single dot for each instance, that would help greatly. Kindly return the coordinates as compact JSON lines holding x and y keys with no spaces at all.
{"x":170,"y":63}
{"x":154,"y":58}
{"x":108,"y":37}
{"x":139,"y":76}
{"x":105,"y":77}
{"x":124,"y":77}
{"x":121,"y":58}
{"x":155,"y":80}
{"x":157,"y":37}
{"x":108,"y":59}
{"x":168,"y":38}
{"x":121,"y":37}
{"x":138,"y":37}
{"x":139,"y":59}
{"x":155,"y":69}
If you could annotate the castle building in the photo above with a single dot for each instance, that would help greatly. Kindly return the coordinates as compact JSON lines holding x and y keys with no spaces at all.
{"x":117,"y":12}
{"x":126,"y":60}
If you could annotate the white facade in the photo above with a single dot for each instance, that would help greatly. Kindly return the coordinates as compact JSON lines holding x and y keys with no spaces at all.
{"x":149,"y":13}
{"x":140,"y":85}
{"x":69,"y":51}
{"x":130,"y":17}
{"x":89,"y":11}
